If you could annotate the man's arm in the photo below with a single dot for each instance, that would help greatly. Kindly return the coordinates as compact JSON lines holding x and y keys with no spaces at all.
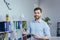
{"x":46,"y":33}
{"x":35,"y":36}
{"x":41,"y":37}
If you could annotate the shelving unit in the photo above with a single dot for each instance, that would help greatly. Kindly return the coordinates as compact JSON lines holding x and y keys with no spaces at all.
{"x":58,"y":29}
{"x":18,"y":26}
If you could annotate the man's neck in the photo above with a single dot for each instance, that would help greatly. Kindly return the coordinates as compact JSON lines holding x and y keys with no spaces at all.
{"x":37,"y":19}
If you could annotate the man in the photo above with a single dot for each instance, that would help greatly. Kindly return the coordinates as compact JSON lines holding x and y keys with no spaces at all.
{"x":38,"y":27}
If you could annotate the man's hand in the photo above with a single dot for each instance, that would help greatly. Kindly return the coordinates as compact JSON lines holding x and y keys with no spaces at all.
{"x":36,"y":36}
{"x":40,"y":37}
{"x":24,"y":32}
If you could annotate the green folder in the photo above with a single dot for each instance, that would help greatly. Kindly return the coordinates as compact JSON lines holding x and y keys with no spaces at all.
{"x":16,"y":24}
{"x":24,"y":25}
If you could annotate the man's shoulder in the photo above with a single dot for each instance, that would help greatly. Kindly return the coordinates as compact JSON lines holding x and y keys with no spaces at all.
{"x":43,"y":22}
{"x":31,"y":22}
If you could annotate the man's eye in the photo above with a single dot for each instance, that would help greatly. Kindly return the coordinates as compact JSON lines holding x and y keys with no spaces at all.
{"x":38,"y":12}
{"x":35,"y":12}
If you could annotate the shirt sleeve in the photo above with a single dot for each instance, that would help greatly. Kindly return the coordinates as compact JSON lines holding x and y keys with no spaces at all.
{"x":47,"y":30}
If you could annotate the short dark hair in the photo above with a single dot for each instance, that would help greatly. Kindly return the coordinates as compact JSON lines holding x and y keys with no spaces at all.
{"x":38,"y":8}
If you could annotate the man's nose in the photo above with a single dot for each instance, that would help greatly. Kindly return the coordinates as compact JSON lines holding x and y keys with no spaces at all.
{"x":36,"y":13}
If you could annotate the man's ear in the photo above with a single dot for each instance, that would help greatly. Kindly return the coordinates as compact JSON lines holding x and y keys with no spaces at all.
{"x":41,"y":14}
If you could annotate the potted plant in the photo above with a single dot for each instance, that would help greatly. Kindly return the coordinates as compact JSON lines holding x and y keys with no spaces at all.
{"x":47,"y":20}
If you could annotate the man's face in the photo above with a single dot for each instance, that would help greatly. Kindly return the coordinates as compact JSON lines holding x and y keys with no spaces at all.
{"x":37,"y":14}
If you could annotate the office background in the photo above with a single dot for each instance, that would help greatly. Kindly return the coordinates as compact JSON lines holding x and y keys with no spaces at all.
{"x":51,"y":8}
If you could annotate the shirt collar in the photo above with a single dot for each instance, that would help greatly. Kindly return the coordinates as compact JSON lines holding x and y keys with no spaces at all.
{"x":38,"y":20}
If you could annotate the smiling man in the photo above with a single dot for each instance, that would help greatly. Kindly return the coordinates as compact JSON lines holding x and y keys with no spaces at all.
{"x":38,"y":27}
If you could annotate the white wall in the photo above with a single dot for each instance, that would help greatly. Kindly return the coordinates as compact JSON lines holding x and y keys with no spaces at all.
{"x":51,"y":8}
{"x":36,"y":3}
{"x":19,"y":7}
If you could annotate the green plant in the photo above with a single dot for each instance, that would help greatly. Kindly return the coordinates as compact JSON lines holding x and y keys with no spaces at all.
{"x":47,"y":20}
